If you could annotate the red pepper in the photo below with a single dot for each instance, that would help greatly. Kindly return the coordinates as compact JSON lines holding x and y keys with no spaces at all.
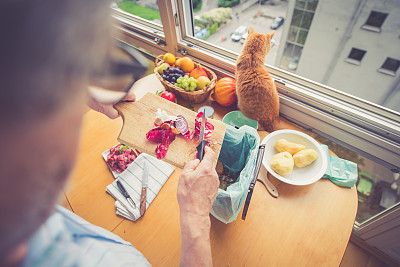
{"x":169,"y":96}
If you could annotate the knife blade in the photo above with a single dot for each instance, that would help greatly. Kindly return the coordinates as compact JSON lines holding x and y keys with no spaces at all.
{"x":126,"y":194}
{"x":145,"y":181}
{"x":260,"y":156}
{"x":202,"y":142}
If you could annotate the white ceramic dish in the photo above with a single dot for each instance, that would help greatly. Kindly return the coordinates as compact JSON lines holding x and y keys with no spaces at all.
{"x":299,"y":176}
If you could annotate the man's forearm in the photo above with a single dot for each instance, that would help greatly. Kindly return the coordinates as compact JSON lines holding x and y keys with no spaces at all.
{"x":195,"y":234}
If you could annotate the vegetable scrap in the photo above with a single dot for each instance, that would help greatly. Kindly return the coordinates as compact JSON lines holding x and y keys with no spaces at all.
{"x":121,"y":156}
{"x":208,"y":127}
{"x":167,"y":127}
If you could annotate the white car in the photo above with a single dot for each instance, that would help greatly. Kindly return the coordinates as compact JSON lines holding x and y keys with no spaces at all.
{"x":239,"y":33}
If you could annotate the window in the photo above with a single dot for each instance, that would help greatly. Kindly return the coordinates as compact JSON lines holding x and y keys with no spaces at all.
{"x":355,"y":56}
{"x":317,"y":89}
{"x":390,"y":66}
{"x":375,"y":21}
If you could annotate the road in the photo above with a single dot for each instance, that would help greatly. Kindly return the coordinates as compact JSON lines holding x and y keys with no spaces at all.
{"x":248,"y":17}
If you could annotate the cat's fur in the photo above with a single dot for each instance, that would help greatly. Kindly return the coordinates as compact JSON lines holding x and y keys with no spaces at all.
{"x":256,"y":92}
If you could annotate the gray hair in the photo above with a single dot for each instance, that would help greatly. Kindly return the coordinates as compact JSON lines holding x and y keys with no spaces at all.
{"x":46,"y":46}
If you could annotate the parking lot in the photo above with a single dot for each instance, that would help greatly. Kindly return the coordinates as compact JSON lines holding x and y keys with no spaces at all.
{"x":257,"y":16}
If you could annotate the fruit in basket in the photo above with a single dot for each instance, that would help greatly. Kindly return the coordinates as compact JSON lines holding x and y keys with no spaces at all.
{"x":202,"y":82}
{"x":172,"y":74}
{"x":185,"y":63}
{"x":162,"y":67}
{"x":187,"y":83}
{"x":198,"y":72}
{"x":169,"y":58}
{"x":225,"y":91}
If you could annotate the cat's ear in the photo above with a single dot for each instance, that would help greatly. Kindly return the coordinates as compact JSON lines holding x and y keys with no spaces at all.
{"x":271,"y":34}
{"x":251,"y":30}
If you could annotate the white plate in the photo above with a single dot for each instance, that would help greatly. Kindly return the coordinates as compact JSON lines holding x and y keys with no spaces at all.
{"x":299,"y":176}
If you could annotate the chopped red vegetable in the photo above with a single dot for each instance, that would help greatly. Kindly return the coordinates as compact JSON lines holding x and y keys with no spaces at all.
{"x":163,"y":136}
{"x":208,"y":128}
{"x":120,"y":157}
{"x":182,"y":126}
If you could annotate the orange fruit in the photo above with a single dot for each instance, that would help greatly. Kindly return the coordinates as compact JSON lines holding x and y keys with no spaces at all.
{"x":169,"y":58}
{"x":185,"y":63}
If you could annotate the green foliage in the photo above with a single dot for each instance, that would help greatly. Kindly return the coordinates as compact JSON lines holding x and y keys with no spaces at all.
{"x":228,"y":3}
{"x":217,"y":15}
{"x":197,"y":5}
{"x":140,"y":11}
{"x":213,"y":28}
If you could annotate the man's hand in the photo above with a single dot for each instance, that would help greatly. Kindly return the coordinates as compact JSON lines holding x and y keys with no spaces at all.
{"x":108,"y":109}
{"x":198,"y":186}
{"x":197,"y":190}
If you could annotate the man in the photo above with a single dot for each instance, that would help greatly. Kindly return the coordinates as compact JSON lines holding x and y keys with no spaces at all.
{"x":48,"y":50}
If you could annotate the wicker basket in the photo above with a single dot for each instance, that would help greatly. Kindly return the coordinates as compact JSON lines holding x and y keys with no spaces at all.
{"x":193,"y":97}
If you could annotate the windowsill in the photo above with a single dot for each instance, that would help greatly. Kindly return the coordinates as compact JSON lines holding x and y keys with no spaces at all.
{"x":353,"y":61}
{"x":387,"y":72}
{"x":371,"y":28}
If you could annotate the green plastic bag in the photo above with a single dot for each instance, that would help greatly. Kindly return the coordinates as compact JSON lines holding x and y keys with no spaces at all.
{"x":238,"y":153}
{"x":340,"y":171}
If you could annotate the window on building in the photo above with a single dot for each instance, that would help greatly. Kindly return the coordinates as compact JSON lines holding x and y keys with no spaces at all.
{"x":390,"y":66}
{"x":375,"y":21}
{"x":355,"y":56}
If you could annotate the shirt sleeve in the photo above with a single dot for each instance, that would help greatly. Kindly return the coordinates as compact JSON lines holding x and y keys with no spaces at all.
{"x":66,"y":239}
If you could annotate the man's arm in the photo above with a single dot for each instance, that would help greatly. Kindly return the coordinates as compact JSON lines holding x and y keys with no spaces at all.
{"x":197,"y":190}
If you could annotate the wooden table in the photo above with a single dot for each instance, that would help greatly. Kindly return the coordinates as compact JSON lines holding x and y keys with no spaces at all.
{"x":305,"y":226}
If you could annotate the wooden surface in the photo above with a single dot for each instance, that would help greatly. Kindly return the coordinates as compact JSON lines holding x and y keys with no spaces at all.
{"x":138,"y":119}
{"x":305,"y":226}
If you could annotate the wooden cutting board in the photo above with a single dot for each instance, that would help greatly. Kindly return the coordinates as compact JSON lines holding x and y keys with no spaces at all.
{"x":138,"y":118}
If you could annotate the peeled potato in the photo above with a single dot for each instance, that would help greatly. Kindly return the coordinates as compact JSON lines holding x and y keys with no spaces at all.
{"x":305,"y":157}
{"x":283,"y":145}
{"x":282,"y":163}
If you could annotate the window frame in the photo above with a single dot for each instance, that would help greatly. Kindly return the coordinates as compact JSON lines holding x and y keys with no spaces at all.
{"x":373,"y":28}
{"x":348,"y":120}
{"x":354,"y":60}
{"x":388,"y":71}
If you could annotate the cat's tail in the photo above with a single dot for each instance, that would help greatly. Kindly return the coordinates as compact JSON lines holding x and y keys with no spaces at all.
{"x":269,"y":125}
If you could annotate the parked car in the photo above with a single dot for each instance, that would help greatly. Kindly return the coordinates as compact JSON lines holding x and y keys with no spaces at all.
{"x":277,"y":22}
{"x":293,"y":63}
{"x":239,"y":33}
{"x":243,"y":39}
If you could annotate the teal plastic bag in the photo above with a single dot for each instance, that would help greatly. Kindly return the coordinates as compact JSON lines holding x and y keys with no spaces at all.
{"x":340,"y":171}
{"x":238,"y":153}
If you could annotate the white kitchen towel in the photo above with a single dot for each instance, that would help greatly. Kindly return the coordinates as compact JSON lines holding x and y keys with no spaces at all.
{"x":131,"y":178}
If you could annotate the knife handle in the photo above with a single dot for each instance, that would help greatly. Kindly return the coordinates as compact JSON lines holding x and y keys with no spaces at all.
{"x":200,"y":149}
{"x":123,"y":190}
{"x":247,"y":203}
{"x":143,"y":198}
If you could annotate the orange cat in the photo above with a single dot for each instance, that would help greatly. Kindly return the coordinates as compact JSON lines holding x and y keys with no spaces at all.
{"x":256,"y":92}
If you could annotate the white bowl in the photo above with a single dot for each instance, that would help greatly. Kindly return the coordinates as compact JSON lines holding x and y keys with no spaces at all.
{"x":299,"y":176}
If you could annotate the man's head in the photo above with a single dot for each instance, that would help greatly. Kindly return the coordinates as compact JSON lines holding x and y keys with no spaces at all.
{"x":47,"y":51}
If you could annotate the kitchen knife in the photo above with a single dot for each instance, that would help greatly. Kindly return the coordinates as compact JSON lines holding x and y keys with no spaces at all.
{"x":126,"y":194}
{"x":260,"y":156}
{"x":145,"y":181}
{"x":202,"y":142}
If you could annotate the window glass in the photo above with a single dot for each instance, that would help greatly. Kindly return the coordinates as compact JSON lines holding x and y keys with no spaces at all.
{"x":357,"y":54}
{"x":376,"y":19}
{"x":391,"y":64}
{"x":145,"y":9}
{"x":316,"y":40}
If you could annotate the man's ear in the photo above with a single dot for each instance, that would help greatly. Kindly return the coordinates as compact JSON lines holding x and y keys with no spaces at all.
{"x":251,"y":30}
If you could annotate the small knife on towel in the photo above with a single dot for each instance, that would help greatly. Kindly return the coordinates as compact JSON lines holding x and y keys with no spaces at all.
{"x":126,"y":194}
{"x":145,"y":181}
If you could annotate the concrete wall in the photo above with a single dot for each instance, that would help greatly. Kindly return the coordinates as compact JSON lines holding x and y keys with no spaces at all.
{"x":364,"y":80}
{"x":327,"y":47}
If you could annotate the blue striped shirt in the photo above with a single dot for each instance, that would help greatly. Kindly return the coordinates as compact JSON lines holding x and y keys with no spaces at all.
{"x":65,"y":239}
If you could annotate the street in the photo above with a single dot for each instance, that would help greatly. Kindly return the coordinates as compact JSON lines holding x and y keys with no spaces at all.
{"x":248,"y":17}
